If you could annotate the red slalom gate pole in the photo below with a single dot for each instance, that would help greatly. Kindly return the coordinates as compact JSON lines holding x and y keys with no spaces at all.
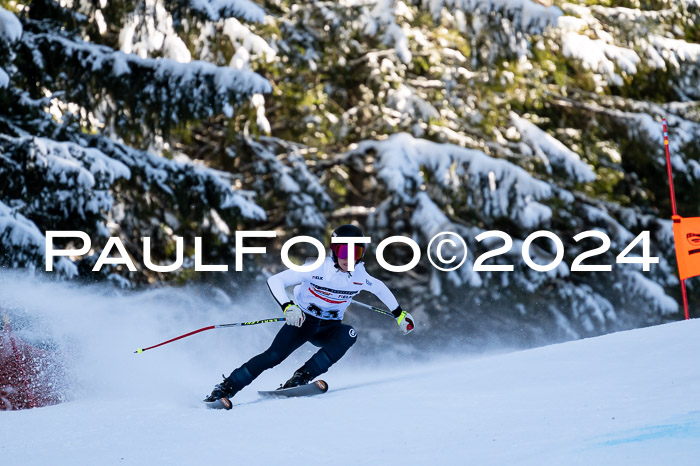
{"x":212,"y":327}
{"x":673,"y":207}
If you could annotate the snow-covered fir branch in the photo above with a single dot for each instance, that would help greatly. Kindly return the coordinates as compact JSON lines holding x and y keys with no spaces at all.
{"x":162,"y":92}
{"x":497,"y":188}
{"x":220,"y":9}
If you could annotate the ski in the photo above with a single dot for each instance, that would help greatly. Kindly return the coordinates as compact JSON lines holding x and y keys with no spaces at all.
{"x":315,"y":388}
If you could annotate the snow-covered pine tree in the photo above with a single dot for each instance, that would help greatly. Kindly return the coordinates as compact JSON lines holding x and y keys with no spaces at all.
{"x":91,"y":93}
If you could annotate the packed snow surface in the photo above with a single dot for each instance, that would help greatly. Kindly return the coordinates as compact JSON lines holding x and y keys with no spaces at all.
{"x":626,"y":398}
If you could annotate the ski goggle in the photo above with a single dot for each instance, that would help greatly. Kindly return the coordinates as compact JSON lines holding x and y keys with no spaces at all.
{"x":341,"y":251}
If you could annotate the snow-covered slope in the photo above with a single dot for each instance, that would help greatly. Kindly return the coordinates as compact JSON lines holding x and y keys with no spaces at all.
{"x":625,"y":398}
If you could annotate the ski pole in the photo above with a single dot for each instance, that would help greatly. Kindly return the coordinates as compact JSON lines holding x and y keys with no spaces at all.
{"x":211,"y":327}
{"x":375,"y":309}
{"x":381,"y":311}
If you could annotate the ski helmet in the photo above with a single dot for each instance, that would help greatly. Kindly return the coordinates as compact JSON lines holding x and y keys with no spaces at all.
{"x":340,"y":250}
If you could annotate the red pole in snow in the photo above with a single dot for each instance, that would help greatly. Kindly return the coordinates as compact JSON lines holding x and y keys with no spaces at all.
{"x":673,"y":207}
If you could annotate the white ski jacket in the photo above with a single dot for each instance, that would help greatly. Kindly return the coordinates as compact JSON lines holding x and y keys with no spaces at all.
{"x":326,"y":291}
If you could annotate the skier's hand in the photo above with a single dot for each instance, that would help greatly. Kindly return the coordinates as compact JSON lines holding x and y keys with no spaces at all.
{"x":295,"y":316}
{"x":404,"y":319}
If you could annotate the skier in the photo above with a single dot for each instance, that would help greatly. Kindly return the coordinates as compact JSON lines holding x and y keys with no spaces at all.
{"x":320,"y":299}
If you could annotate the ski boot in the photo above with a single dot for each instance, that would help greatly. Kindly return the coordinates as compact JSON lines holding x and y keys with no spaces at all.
{"x":222,"y":390}
{"x":300,"y":377}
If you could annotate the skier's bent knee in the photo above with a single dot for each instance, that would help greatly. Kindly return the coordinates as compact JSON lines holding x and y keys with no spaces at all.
{"x":350,"y":337}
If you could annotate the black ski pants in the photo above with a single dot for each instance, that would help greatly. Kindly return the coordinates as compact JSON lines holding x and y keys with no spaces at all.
{"x":332,"y":337}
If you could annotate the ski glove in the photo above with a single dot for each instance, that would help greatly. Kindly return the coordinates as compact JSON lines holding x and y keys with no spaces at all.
{"x":295,"y":316}
{"x":404,"y":319}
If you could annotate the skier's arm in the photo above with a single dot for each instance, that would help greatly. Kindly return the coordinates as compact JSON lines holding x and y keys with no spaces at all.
{"x":381,"y":291}
{"x":279,"y":282}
